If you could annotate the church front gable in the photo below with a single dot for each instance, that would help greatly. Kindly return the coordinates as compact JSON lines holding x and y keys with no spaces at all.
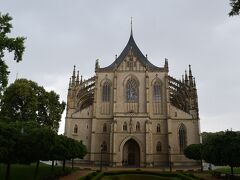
{"x":131,"y":63}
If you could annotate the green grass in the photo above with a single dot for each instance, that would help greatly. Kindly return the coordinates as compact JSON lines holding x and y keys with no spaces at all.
{"x":138,"y":177}
{"x":26,"y":172}
{"x":228,"y":170}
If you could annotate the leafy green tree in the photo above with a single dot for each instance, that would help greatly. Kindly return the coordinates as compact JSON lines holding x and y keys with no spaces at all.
{"x":9,"y":44}
{"x":8,"y":139}
{"x":223,"y":149}
{"x":24,"y":101}
{"x":194,"y":151}
{"x":235,"y":4}
{"x":41,"y":141}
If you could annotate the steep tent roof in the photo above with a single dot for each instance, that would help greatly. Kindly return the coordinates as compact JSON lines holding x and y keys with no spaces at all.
{"x":136,"y":51}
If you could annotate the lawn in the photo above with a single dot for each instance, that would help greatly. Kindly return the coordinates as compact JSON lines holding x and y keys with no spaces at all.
{"x":228,"y":170}
{"x":138,"y":177}
{"x":26,"y":172}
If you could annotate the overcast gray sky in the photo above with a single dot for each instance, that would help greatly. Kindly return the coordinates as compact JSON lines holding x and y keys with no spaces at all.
{"x":62,"y":33}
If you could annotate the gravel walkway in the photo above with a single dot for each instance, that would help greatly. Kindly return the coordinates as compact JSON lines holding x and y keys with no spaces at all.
{"x":76,"y":175}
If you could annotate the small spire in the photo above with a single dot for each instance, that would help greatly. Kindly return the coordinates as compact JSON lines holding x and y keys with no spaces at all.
{"x":166,"y":63}
{"x":97,"y":64}
{"x":74,"y":74}
{"x":81,"y":80}
{"x":146,"y":56}
{"x":190,"y":71}
{"x":131,"y":27}
{"x":115,"y":56}
{"x":186,"y":77}
{"x":194,"y":83}
{"x":77,"y":81}
{"x":190,"y":76}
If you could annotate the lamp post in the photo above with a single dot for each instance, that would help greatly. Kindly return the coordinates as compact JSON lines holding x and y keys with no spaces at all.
{"x":101,"y":157}
{"x":169,"y":154}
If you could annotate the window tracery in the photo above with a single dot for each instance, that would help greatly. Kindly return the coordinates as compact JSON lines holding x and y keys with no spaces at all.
{"x":157,"y":92}
{"x":106,"y":92}
{"x":182,"y":137}
{"x":132,"y":90}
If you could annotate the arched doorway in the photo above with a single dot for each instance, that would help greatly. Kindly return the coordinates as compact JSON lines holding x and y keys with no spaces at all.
{"x":131,"y":154}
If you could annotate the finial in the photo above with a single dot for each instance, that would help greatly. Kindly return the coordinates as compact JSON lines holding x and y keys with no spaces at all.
{"x":97,"y":64}
{"x":74,"y":75}
{"x":190,"y":71}
{"x":146,"y":56}
{"x":186,"y":77}
{"x":131,"y":27}
{"x":115,"y":56}
{"x":166,"y":63}
{"x":77,"y":81}
{"x":74,"y":69}
{"x":194,"y":83}
{"x":81,"y":80}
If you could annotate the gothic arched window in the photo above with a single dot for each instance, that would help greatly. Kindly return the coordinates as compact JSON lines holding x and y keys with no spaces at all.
{"x":158,"y":128}
{"x":75,"y":129}
{"x":104,"y":127}
{"x":159,"y":147}
{"x":157,"y":92}
{"x":124,"y":126}
{"x":106,"y":92}
{"x":132,"y":90}
{"x":104,"y":146}
{"x":182,"y":138}
{"x":138,"y":126}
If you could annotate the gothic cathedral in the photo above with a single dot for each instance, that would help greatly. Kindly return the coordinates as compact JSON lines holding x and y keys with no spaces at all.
{"x":133,"y":113}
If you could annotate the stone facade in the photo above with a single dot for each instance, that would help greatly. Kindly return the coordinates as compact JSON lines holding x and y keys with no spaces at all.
{"x":134,"y":112}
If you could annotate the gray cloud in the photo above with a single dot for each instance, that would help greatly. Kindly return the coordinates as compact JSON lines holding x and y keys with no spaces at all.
{"x":63,"y":33}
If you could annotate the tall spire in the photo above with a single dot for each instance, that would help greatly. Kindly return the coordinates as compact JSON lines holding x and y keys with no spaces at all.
{"x":77,"y":81}
{"x":186,"y":77}
{"x":74,"y":75}
{"x":131,"y":27}
{"x":190,"y":76}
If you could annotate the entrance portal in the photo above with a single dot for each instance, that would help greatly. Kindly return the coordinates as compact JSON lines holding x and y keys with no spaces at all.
{"x":131,"y":154}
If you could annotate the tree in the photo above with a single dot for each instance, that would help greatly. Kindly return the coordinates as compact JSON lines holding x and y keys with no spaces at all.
{"x":24,"y":101}
{"x":223,"y":149}
{"x":194,"y":151}
{"x":235,"y":4}
{"x":8,"y":44}
{"x":8,"y":139}
{"x":41,"y":140}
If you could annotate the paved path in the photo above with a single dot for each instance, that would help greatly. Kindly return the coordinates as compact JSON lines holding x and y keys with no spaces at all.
{"x":76,"y":175}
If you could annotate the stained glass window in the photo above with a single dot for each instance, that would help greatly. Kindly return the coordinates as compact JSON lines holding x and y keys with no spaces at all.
{"x":132,"y":90}
{"x":157,"y":92}
{"x":182,"y":138}
{"x":106,"y":92}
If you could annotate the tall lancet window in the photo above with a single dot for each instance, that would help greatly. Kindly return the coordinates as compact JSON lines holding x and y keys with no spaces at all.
{"x":106,"y":92}
{"x":157,"y":91}
{"x":132,"y":90}
{"x":182,"y":138}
